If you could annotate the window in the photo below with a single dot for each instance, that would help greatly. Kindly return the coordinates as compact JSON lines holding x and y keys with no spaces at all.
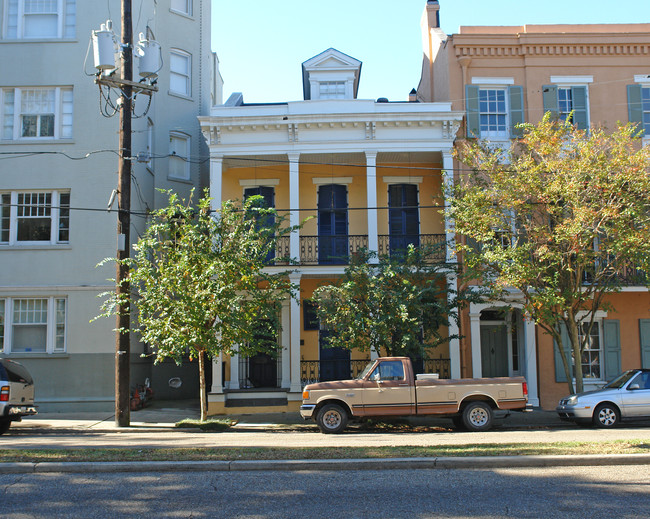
{"x":591,"y":357}
{"x":36,"y":113}
{"x":332,"y":224}
{"x":34,"y":325}
{"x":179,"y":152}
{"x":39,"y":19}
{"x":494,"y":111}
{"x":638,"y":104}
{"x":389,"y":370}
{"x":403,"y":217}
{"x":331,"y":90}
{"x":567,"y":99}
{"x":180,"y":68}
{"x":41,"y":217}
{"x":182,"y":6}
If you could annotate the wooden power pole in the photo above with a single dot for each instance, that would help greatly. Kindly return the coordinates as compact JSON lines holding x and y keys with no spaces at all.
{"x":123,"y":336}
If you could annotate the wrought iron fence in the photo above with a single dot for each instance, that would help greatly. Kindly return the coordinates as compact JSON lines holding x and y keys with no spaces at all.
{"x":310,"y":370}
{"x":260,"y":371}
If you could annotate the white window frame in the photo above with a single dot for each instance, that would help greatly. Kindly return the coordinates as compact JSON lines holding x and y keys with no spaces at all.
{"x":53,"y":323}
{"x":57,"y":217}
{"x":175,"y":156}
{"x":15,"y":13}
{"x":644,"y":81}
{"x":599,"y":318}
{"x":187,"y":11}
{"x":179,"y":74}
{"x":332,"y":90}
{"x":12,"y":117}
{"x":566,"y":82}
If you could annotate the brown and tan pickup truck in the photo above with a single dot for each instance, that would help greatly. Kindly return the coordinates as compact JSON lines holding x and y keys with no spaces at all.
{"x":388,"y":388}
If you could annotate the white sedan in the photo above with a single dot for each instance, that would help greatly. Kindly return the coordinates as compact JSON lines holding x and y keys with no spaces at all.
{"x":627,"y":397}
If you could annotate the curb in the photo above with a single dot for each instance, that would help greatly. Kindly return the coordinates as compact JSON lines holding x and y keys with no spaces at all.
{"x":472,"y":462}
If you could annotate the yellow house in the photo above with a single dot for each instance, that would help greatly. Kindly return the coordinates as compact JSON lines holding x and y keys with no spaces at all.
{"x":363,"y":173}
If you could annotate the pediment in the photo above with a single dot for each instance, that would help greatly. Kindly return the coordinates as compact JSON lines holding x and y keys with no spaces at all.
{"x":332,"y":58}
{"x":330,"y":61}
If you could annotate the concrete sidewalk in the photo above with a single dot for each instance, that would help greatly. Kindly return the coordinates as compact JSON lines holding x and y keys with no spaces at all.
{"x":164,"y":415}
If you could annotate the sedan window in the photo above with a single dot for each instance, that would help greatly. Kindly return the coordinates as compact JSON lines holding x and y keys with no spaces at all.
{"x":621,"y":380}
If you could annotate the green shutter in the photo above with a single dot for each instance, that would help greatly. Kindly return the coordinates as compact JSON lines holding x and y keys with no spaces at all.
{"x":579,"y":105}
{"x":635,"y":105}
{"x":612,"y":336}
{"x":644,"y":325}
{"x":473,"y":115}
{"x":516,"y":94}
{"x":549,"y":93}
{"x":560,"y":375}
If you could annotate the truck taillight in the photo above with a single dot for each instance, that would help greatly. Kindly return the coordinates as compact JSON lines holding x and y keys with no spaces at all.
{"x":524,"y":386}
{"x":4,"y":394}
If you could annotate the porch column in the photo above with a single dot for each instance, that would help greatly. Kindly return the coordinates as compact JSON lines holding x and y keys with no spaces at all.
{"x":530,"y":348}
{"x":216,"y":178}
{"x":296,"y":386}
{"x":286,"y":344}
{"x":371,"y":197}
{"x":294,"y":204}
{"x":217,"y":375}
{"x":475,"y":338}
{"x":448,"y":172}
{"x":454,"y":344}
{"x":234,"y":371}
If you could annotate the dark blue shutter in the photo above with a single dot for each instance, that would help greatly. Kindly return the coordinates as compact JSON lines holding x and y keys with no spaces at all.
{"x":333,"y":224}
{"x":268,"y":194}
{"x":403,"y":216}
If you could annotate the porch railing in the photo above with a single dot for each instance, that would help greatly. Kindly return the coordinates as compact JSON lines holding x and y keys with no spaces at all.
{"x":310,"y":370}
{"x":394,"y":244}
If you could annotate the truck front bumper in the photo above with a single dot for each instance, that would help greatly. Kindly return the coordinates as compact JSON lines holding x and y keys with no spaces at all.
{"x":307,"y":411}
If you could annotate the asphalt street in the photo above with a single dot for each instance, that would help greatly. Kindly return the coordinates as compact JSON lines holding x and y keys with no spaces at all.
{"x":555,"y":492}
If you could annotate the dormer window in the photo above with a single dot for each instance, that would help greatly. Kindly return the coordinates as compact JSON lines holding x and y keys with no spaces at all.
{"x":331,"y":90}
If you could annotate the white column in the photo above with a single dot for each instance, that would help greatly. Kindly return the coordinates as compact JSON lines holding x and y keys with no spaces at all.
{"x":286,"y":344}
{"x":216,"y":181}
{"x":371,"y":197}
{"x":530,"y":347}
{"x":294,"y":203}
{"x":454,"y":344}
{"x":234,"y":371}
{"x":475,"y":339}
{"x":448,"y":167}
{"x":296,"y":386}
{"x":217,"y":375}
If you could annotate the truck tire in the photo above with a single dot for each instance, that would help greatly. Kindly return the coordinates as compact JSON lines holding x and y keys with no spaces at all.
{"x":332,"y":419}
{"x":477,"y":416}
{"x":4,"y":426}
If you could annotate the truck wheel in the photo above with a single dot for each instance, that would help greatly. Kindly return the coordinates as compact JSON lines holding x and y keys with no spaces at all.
{"x":4,"y":426}
{"x":477,"y":416}
{"x":331,"y":419}
{"x":606,"y":416}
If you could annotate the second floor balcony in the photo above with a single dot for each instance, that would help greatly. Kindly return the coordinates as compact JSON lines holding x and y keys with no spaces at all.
{"x":338,"y":250}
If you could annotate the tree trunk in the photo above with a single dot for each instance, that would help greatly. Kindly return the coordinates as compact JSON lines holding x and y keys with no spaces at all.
{"x":577,"y":354}
{"x":202,"y":389}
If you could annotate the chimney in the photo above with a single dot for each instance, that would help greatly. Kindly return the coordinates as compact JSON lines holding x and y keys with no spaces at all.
{"x":413,"y":96}
{"x":433,"y":13}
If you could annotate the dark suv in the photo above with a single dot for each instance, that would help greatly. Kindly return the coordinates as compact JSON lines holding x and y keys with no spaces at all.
{"x":16,"y":393}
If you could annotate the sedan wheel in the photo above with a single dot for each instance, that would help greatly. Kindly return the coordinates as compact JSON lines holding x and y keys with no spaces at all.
{"x":606,"y":415}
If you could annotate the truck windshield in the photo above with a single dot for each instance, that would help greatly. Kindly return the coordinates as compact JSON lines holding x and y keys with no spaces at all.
{"x":621,"y":380}
{"x":366,"y":370}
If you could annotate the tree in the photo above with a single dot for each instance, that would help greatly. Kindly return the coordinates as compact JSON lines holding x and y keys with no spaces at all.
{"x":563,"y":217}
{"x":200,"y":284}
{"x":397,"y":306}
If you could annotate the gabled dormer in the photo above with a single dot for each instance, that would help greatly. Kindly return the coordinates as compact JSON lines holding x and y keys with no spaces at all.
{"x":331,"y":75}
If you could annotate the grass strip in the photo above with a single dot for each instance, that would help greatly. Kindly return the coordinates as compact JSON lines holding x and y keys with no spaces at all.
{"x":273,"y":453}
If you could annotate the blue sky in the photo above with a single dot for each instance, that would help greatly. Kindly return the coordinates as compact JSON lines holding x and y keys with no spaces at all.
{"x":261,"y":44}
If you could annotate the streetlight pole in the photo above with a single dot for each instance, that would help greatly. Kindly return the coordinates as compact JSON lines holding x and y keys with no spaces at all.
{"x":123,"y":335}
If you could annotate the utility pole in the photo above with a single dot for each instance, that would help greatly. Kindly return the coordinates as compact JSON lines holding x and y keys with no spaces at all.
{"x":123,"y":336}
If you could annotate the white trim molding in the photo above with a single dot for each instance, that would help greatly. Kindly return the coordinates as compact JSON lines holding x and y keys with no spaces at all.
{"x":331,"y":180}
{"x":258,"y":182}
{"x":493,"y":81}
{"x":572,"y":80}
{"x":402,"y":180}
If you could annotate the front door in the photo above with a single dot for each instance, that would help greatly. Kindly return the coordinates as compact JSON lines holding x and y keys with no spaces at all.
{"x":334,"y":362}
{"x":494,"y":350}
{"x":263,"y":370}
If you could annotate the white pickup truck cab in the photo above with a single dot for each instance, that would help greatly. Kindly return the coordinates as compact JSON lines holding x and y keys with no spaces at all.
{"x":388,"y":388}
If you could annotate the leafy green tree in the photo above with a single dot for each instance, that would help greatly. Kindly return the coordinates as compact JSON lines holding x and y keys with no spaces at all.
{"x":200,"y":284}
{"x":563,"y":216}
{"x":397,"y":306}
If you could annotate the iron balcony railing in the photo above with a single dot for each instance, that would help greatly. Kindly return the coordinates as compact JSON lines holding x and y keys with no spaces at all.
{"x":337,"y":250}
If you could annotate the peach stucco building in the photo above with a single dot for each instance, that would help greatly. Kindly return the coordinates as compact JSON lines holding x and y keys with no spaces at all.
{"x":500,"y":76}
